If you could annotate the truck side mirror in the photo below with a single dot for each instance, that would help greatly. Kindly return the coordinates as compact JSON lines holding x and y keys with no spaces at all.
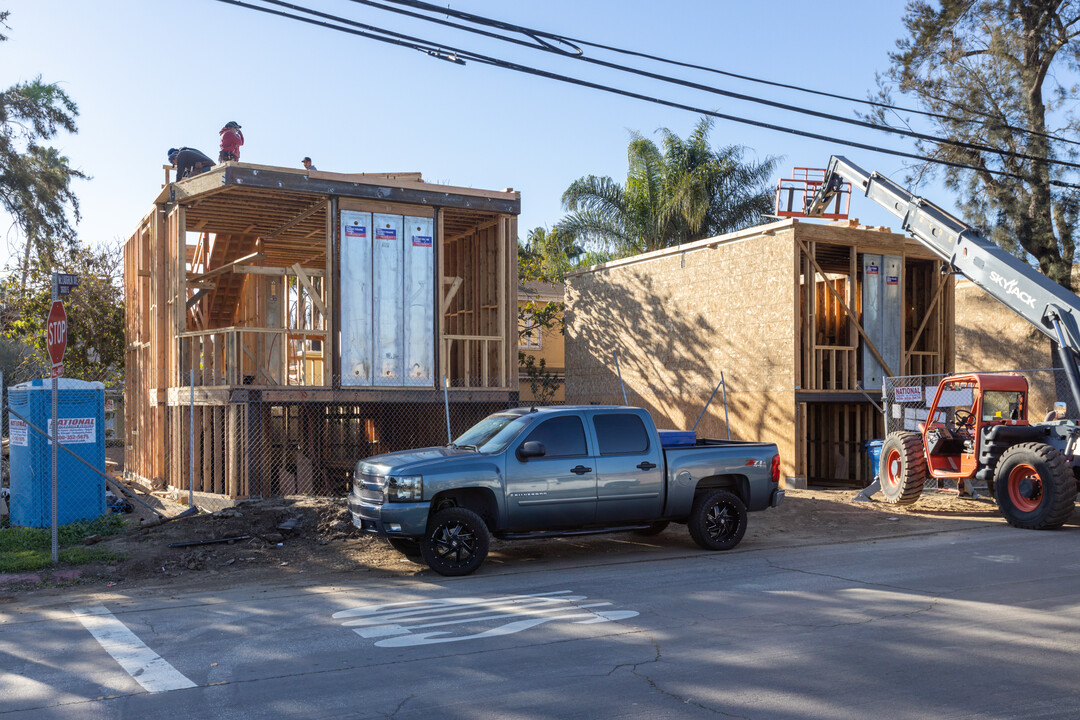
{"x":529,"y":449}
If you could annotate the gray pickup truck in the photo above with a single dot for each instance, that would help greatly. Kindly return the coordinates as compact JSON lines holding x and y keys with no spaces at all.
{"x":544,"y":472}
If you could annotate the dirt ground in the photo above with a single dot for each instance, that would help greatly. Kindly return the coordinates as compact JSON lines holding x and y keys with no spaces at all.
{"x":322,"y":544}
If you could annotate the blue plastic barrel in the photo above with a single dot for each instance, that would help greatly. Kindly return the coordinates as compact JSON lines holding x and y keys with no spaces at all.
{"x":874,"y":448}
{"x":80,"y":490}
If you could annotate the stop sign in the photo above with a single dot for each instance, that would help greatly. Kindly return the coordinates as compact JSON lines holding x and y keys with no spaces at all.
{"x":56,"y":332}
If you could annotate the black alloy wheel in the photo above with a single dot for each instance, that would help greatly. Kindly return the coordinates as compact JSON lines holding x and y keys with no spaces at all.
{"x":717,"y":520}
{"x":456,"y":543}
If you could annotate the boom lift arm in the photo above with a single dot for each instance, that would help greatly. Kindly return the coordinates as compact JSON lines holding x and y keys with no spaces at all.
{"x":1048,"y":306}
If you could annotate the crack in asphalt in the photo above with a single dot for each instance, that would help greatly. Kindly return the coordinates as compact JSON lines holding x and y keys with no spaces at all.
{"x":633,"y":669}
{"x":777,"y":566}
{"x":934,"y":599}
{"x":400,"y":705}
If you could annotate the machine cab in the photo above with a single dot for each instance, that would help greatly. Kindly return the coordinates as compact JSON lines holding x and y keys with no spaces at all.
{"x":964,"y":406}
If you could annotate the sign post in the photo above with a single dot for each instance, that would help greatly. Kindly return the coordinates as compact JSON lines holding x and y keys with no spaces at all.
{"x":56,"y":339}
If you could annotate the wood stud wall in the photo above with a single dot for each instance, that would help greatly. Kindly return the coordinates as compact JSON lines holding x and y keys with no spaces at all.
{"x":830,"y":356}
{"x":233,"y":438}
{"x":475,"y":351}
{"x":836,"y":435}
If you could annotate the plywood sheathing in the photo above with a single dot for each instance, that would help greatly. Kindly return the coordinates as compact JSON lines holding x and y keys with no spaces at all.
{"x":776,"y":309}
{"x":680,"y":319}
{"x":991,"y":337}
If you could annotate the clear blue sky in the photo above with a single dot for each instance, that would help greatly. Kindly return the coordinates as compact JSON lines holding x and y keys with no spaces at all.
{"x":151,"y":74}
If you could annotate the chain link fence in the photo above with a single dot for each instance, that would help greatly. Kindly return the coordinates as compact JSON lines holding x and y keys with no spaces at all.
{"x":90,"y":453}
{"x":206,"y":445}
{"x":907,"y":401}
{"x":211,"y":443}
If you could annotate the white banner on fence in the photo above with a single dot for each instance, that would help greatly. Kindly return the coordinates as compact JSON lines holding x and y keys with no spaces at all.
{"x":75,"y":431}
{"x":17,"y":432}
{"x":905,"y":394}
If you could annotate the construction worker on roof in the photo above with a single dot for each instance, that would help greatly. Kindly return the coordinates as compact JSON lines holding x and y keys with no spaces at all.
{"x":231,"y":140}
{"x":188,"y":161}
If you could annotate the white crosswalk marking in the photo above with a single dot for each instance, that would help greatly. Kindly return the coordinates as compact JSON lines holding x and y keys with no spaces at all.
{"x":147,"y":667}
{"x":412,"y":622}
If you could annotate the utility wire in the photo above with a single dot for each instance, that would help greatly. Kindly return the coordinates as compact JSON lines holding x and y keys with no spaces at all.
{"x":545,"y":46}
{"x":977,"y":147}
{"x":542,"y":37}
{"x":461,"y":54}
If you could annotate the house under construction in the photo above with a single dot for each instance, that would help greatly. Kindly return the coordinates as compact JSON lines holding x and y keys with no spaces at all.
{"x":311,"y":319}
{"x":803,"y":319}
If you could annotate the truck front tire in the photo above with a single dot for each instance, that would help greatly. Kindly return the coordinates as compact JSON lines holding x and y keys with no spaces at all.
{"x":902,"y":468}
{"x":717,"y":520}
{"x":456,"y":542}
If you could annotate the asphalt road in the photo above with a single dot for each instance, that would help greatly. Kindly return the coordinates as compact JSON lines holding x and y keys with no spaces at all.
{"x":979,"y":623}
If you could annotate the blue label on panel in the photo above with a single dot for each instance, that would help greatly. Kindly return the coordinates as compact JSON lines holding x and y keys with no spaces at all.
{"x":892,"y":280}
{"x":421,"y":240}
{"x":355,"y":231}
{"x":871,"y":269}
{"x":385,"y":234}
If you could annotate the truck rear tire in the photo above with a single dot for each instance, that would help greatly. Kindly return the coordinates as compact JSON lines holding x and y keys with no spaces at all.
{"x":717,"y":520}
{"x":1034,"y":487}
{"x":456,"y":542}
{"x":902,"y":468}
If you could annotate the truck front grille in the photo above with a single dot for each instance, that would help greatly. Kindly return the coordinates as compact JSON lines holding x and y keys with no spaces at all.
{"x":371,"y":488}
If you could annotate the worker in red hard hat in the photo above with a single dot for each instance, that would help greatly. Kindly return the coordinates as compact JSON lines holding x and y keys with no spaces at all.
{"x":231,"y":140}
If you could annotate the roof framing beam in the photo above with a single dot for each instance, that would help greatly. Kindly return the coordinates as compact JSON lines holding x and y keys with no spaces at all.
{"x":293,"y":182}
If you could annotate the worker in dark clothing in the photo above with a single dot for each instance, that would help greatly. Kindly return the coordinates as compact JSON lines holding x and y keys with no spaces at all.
{"x":188,"y":162}
{"x":231,"y":140}
{"x":306,"y":162}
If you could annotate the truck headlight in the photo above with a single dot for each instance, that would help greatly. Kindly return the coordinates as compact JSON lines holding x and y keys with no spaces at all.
{"x":405,"y":488}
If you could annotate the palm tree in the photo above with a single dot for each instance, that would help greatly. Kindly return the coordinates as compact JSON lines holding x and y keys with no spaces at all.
{"x":686,"y":192}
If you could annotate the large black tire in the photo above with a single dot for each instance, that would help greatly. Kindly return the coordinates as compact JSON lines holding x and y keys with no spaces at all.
{"x":456,"y":542}
{"x":902,"y":468}
{"x":1034,"y":487}
{"x":717,"y":520}
{"x":655,"y":529}
{"x":408,"y":547}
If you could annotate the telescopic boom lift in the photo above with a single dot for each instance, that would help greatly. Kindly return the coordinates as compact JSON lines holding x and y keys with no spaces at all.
{"x":1030,"y":468}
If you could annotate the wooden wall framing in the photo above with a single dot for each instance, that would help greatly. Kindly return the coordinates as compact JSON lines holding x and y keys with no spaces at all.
{"x":201,"y":272}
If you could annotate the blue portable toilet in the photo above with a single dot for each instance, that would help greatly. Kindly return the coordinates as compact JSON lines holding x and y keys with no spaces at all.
{"x":80,"y":490}
{"x":874,"y":448}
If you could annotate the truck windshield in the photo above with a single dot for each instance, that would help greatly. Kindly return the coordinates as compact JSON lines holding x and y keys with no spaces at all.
{"x":493,"y":433}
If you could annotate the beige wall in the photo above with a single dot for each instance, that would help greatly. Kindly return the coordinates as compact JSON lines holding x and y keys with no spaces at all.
{"x":677,"y":321}
{"x":991,"y":337}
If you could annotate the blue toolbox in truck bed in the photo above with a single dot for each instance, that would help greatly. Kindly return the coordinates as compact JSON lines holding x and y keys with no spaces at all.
{"x":677,"y":438}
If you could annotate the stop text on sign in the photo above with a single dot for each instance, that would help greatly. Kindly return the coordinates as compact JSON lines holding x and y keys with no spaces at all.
{"x":57,"y":332}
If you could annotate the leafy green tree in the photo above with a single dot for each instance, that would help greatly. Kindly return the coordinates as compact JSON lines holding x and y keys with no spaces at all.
{"x":998,"y":73}
{"x":685,"y":192}
{"x":35,"y":179}
{"x":95,"y":310}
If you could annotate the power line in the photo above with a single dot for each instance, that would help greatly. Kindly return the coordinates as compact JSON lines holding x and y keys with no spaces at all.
{"x":545,"y":46}
{"x":439,"y":50}
{"x":542,"y":39}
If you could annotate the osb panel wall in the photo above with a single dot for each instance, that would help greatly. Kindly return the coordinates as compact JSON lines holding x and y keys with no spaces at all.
{"x":991,"y":337}
{"x":677,"y":322}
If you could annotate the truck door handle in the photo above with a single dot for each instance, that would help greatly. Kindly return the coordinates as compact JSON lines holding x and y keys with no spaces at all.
{"x":646,"y":466}
{"x":580,"y":470}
